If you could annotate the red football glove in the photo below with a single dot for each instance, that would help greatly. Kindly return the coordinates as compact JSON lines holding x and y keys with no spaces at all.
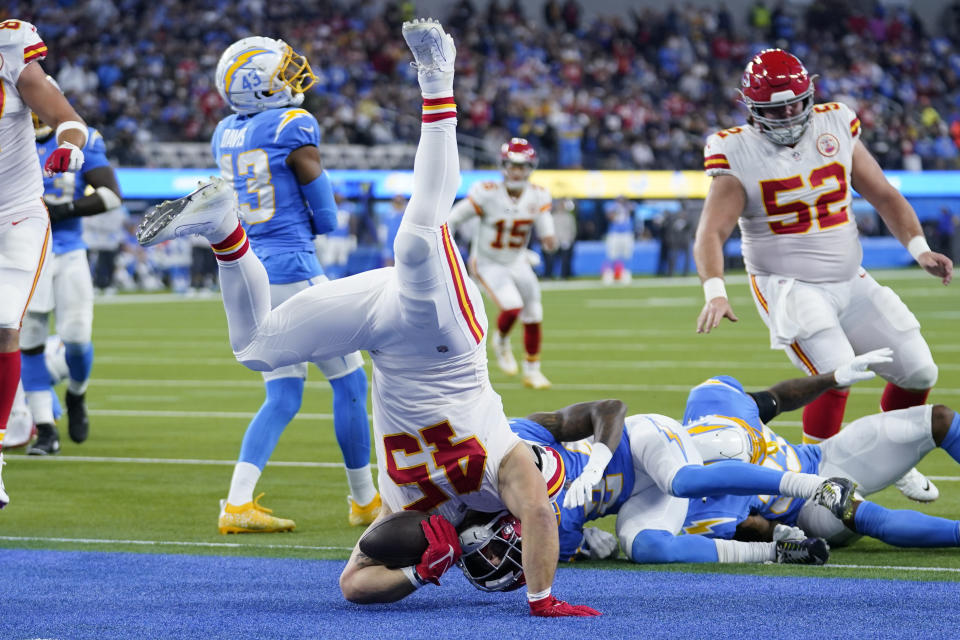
{"x":551,"y":607}
{"x":66,"y":157}
{"x":443,"y":549}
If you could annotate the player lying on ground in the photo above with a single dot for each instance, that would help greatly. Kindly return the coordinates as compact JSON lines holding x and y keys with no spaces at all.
{"x":873,"y":451}
{"x":442,"y":439}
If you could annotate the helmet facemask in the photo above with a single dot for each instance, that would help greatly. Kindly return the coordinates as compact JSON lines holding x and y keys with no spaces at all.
{"x":492,"y":557}
{"x":258,"y":73}
{"x":782,"y":129}
{"x":518,"y":159}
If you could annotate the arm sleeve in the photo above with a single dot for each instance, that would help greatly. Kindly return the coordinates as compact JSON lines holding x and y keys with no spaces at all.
{"x":319,"y":195}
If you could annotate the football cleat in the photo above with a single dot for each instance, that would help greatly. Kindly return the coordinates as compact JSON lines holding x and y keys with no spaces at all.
{"x":251,"y":517}
{"x":362,"y":515}
{"x":20,"y":426}
{"x":917,"y":487}
{"x":78,"y":425}
{"x":535,"y":380}
{"x":47,"y":442}
{"x":4,"y":498}
{"x":203,"y":211}
{"x":433,"y":54}
{"x":532,"y":377}
{"x":805,"y":551}
{"x":504,"y":354}
{"x":836,"y":494}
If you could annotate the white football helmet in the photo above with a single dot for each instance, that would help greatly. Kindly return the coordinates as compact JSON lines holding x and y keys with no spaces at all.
{"x":259,"y":73}
{"x":719,"y":438}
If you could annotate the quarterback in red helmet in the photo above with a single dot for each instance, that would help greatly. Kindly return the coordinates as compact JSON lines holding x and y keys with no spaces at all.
{"x":501,"y":263}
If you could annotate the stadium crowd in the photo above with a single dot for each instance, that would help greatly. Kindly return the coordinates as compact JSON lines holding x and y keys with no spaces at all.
{"x":143,"y":72}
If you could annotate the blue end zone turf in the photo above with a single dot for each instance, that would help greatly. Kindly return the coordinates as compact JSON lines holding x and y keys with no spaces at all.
{"x":77,"y":595}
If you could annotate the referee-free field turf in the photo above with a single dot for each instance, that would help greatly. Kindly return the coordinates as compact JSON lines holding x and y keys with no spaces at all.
{"x":169,"y":404}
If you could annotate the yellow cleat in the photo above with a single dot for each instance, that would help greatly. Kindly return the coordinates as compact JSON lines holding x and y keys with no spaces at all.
{"x":251,"y":518}
{"x":362,"y":515}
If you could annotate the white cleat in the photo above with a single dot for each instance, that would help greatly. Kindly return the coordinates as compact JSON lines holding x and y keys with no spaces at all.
{"x":532,"y":377}
{"x":535,"y":380}
{"x":4,"y":498}
{"x":433,"y":53}
{"x":201,"y":212}
{"x":917,"y":487}
{"x":504,"y":354}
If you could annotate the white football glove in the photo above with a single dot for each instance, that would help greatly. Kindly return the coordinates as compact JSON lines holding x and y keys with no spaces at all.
{"x":601,"y":544}
{"x":856,"y":370}
{"x":580,"y":489}
{"x":533,"y":258}
{"x":783,"y":532}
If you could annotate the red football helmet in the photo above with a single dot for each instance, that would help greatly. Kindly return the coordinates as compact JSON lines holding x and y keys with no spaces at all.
{"x":773,"y":82}
{"x":518,"y":159}
{"x":492,"y":557}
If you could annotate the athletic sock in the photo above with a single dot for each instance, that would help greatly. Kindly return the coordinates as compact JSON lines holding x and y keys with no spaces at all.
{"x":9,"y":380}
{"x":233,"y":247}
{"x":905,"y":528}
{"x":531,"y":340}
{"x":244,"y":481}
{"x":951,"y":442}
{"x":506,"y":319}
{"x":278,"y":409}
{"x":823,"y":417}
{"x":79,"y":362}
{"x":895,"y":397}
{"x":736,"y":552}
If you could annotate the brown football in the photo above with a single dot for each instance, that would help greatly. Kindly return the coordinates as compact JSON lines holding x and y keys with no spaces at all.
{"x":397,"y":540}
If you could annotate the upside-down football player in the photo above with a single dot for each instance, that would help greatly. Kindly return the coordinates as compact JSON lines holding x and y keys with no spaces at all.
{"x":644,"y":468}
{"x":443,"y":443}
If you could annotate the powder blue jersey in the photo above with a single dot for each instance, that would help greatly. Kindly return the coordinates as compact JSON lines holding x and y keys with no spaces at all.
{"x":617,"y":482}
{"x":252,"y":152}
{"x":723,"y":401}
{"x":68,"y":186}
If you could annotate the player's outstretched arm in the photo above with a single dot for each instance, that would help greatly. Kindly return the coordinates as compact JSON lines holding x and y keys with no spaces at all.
{"x":721,"y":209}
{"x":106,"y":196}
{"x":868,"y":179}
{"x":799,"y":392}
{"x":524,"y":493}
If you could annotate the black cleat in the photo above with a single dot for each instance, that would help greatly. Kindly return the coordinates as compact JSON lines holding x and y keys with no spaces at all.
{"x":836,"y":494}
{"x":806,"y":551}
{"x":47,"y":442}
{"x":77,"y":422}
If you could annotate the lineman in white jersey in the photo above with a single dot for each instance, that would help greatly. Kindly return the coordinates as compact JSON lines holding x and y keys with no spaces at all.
{"x":787,"y":177}
{"x":508,"y":211}
{"x":443,"y":443}
{"x":24,"y":223}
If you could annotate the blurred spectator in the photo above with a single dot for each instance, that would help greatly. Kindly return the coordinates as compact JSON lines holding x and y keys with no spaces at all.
{"x":947,"y":225}
{"x":334,"y":248}
{"x":203,"y":267}
{"x":619,"y":241}
{"x":143,"y":73}
{"x":388,"y":223}
{"x":103,"y":235}
{"x":678,"y":238}
{"x":565,"y":230}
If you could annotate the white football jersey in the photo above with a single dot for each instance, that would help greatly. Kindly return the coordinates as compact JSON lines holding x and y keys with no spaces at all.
{"x":505,"y":222}
{"x":20,"y":177}
{"x":797,"y":221}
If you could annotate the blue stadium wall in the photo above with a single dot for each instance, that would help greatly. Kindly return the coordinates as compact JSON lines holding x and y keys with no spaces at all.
{"x":928,"y":192}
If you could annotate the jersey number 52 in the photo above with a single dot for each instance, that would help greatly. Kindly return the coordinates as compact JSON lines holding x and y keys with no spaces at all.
{"x":803,"y":221}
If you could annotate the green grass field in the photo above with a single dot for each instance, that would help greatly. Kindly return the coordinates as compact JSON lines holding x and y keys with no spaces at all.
{"x":169,"y":405}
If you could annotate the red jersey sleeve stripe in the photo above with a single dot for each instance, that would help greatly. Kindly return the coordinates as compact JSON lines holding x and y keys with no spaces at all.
{"x":34,"y":51}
